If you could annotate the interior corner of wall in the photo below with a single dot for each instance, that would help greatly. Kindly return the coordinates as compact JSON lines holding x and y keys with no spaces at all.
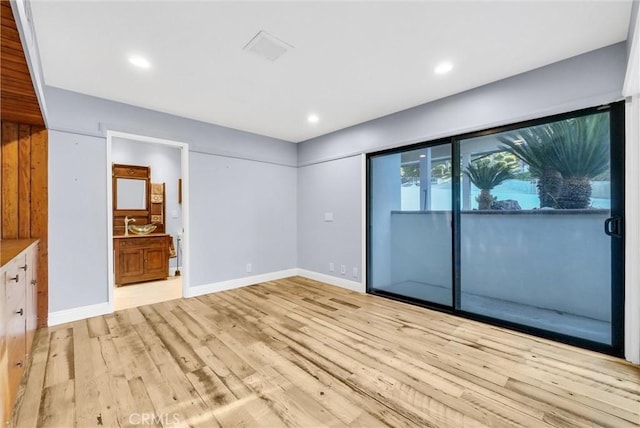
{"x":332,"y":280}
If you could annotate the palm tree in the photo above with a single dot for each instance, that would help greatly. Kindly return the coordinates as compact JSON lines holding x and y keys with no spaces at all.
{"x":486,"y":175}
{"x":442,"y":170}
{"x":580,"y":153}
{"x":565,"y":156}
{"x":533,"y":146}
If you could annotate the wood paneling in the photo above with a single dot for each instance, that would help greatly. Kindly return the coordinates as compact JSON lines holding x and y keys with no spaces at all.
{"x":10,"y":164}
{"x":24,"y":181}
{"x":24,"y":195}
{"x":39,"y":215}
{"x":17,"y":97}
{"x":23,"y":152}
{"x":296,"y":352}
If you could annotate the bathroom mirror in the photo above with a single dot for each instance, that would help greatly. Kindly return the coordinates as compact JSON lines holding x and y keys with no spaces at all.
{"x":132,"y":194}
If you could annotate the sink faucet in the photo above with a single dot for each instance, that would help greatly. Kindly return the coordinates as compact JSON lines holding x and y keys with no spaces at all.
{"x":127,"y":220}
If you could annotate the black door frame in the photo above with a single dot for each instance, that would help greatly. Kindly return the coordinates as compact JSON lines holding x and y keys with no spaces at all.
{"x":617,"y":162}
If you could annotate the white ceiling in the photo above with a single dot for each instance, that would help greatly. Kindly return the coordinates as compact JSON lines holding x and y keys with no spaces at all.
{"x":351,"y":61}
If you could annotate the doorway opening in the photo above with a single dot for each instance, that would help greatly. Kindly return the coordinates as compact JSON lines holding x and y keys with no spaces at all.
{"x":147,"y":184}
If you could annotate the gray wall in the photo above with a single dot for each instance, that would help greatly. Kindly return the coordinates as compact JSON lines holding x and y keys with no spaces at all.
{"x":78,"y":113}
{"x":421,"y":249}
{"x":165,"y":168}
{"x":591,"y":79}
{"x":330,"y":188}
{"x":234,"y":217}
{"x":551,"y":260}
{"x":241,"y":212}
{"x":77,"y":221}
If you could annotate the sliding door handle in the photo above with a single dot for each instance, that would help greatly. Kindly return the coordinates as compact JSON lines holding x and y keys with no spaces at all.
{"x":613,"y":226}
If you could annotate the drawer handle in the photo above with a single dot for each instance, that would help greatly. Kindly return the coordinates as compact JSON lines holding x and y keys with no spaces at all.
{"x":20,"y":312}
{"x":20,"y":363}
{"x":15,"y":278}
{"x":24,"y":268}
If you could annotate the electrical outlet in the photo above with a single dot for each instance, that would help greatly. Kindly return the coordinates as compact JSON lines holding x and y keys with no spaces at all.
{"x":343,"y":269}
{"x":355,"y":272}
{"x":331,"y":267}
{"x":249,"y":268}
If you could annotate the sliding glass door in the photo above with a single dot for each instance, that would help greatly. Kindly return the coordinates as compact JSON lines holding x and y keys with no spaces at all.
{"x":410,"y":216}
{"x":519,"y":226}
{"x":534,"y":250}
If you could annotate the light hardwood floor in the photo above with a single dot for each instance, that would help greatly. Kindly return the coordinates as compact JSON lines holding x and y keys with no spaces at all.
{"x":147,"y":293}
{"x":296,"y":352}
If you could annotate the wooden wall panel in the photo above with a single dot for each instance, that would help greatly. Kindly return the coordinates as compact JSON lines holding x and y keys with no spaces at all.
{"x":23,"y":154}
{"x":10,"y":164}
{"x":24,"y":181}
{"x":40,"y":215}
{"x":17,"y":95}
{"x":24,"y":195}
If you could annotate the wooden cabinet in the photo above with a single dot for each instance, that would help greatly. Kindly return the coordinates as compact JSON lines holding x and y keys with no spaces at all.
{"x":31,"y":303}
{"x":141,"y":258}
{"x":18,"y":315}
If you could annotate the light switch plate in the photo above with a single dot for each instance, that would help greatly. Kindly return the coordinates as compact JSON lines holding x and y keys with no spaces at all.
{"x":328,"y":216}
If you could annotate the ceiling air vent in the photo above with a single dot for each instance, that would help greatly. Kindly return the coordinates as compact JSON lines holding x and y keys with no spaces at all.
{"x":267,"y":46}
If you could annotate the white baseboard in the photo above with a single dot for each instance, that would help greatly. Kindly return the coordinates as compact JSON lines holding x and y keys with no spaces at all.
{"x":339,"y":282}
{"x":239,"y":282}
{"x":83,"y":312}
{"x":75,"y":314}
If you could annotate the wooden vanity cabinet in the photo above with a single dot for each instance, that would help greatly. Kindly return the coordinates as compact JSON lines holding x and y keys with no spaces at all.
{"x":18,"y":315}
{"x":141,"y":258}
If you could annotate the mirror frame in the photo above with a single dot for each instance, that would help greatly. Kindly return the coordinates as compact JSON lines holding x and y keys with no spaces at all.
{"x":142,"y":216}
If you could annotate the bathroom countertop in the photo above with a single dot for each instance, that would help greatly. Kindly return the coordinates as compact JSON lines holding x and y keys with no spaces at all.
{"x":133,"y":235}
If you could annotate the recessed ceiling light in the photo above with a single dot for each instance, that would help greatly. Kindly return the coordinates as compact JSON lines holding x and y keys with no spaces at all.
{"x":443,"y":68}
{"x":518,"y":142}
{"x":313,"y":118}
{"x":423,"y":156}
{"x":139,"y":61}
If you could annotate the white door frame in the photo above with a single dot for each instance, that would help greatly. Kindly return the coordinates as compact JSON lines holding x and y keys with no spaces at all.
{"x":184,"y":164}
{"x":631,"y":90}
